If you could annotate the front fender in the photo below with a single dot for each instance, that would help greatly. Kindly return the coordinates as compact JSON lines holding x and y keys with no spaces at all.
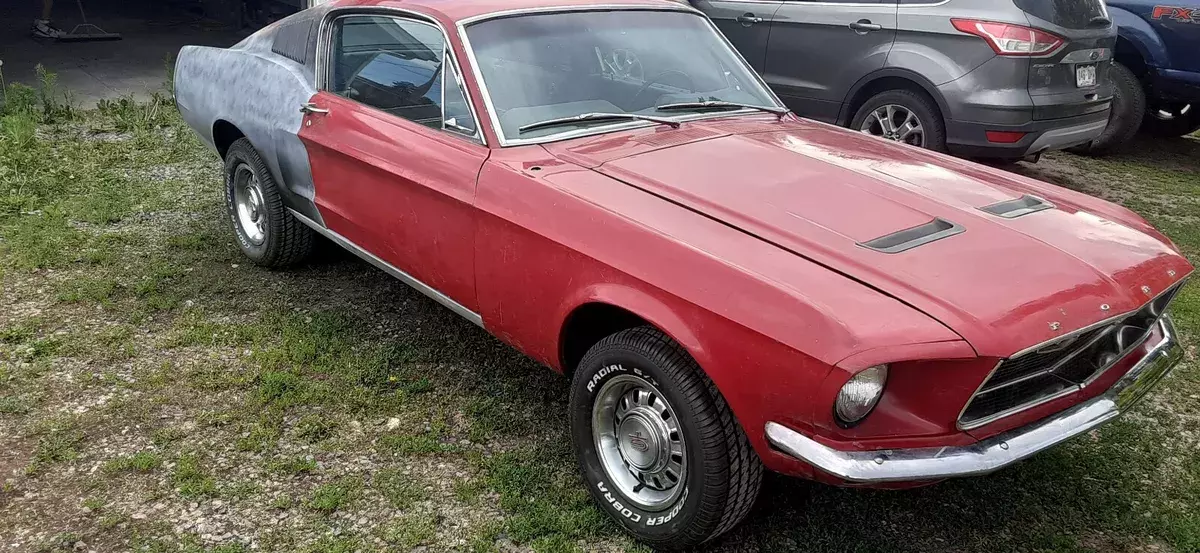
{"x":1142,"y":36}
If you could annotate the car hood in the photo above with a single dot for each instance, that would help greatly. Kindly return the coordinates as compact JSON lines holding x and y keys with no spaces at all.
{"x":821,"y":192}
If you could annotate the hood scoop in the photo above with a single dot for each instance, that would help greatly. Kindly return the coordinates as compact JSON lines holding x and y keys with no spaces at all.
{"x":910,"y":238}
{"x":1012,"y":209}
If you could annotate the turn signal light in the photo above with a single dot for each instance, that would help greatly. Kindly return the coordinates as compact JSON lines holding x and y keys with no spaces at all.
{"x":1005,"y":137}
{"x":1010,"y":40}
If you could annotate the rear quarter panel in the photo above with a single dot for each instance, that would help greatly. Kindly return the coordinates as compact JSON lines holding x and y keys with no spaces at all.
{"x":260,"y":93}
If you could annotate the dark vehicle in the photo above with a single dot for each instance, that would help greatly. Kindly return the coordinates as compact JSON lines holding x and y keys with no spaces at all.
{"x":1156,"y":74}
{"x":982,"y":78}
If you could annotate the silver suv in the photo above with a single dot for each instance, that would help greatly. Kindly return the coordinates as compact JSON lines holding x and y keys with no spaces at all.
{"x":980,"y":78}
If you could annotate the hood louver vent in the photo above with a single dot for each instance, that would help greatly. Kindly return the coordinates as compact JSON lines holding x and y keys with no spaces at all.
{"x":1012,"y":209}
{"x":908,"y":239}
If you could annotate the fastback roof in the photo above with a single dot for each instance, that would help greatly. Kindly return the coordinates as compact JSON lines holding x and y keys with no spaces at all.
{"x":457,"y":10}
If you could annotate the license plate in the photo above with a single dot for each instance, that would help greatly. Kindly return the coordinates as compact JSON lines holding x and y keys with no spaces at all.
{"x":1085,"y":75}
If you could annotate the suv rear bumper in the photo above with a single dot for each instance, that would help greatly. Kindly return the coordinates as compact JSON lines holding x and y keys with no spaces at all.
{"x":936,"y":463}
{"x":969,"y":139}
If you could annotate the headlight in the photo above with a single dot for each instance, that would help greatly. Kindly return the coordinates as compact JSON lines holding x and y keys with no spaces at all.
{"x":860,"y":394}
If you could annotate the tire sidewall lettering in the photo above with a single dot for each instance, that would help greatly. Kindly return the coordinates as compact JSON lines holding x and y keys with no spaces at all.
{"x":232,"y":163}
{"x":606,"y":371}
{"x":612,"y":498}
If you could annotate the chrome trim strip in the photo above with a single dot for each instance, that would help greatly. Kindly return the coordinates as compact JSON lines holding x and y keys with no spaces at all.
{"x":321,"y":69}
{"x":935,"y":463}
{"x":390,"y":269}
{"x":494,"y":118}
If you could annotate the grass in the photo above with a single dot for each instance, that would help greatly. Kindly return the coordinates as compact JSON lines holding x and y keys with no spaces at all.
{"x":142,"y":461}
{"x":130,"y":343}
{"x":292,"y":466}
{"x":399,"y":489}
{"x":331,"y":497}
{"x":191,"y":480}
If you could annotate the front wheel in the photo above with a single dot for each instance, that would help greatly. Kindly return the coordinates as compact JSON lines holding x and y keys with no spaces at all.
{"x":659,"y":448}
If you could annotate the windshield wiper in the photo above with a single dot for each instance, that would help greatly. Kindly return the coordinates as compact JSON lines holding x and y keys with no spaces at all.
{"x":720,"y":104}
{"x":596,"y":117}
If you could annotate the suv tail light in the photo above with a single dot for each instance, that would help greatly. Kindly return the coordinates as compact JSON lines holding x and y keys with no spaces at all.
{"x":1010,"y":40}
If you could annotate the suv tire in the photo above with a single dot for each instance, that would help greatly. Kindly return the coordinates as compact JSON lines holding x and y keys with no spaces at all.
{"x":1128,"y":105}
{"x":266,"y":232}
{"x":640,"y":402}
{"x":1180,"y":125}
{"x":917,"y":104}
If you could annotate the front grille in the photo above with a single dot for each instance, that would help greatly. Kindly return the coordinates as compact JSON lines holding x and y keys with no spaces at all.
{"x":1060,"y":367}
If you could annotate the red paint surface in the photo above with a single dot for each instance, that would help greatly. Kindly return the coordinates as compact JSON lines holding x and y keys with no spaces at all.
{"x":738,"y":238}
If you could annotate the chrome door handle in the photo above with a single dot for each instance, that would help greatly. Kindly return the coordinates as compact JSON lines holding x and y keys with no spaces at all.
{"x":748,"y":19}
{"x":865,"y":26}
{"x":311,"y":108}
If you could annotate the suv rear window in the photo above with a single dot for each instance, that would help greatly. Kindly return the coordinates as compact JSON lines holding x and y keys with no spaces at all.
{"x":1072,"y":14}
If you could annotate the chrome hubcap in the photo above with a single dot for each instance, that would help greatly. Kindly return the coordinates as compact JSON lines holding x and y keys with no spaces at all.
{"x":895,"y":122}
{"x":248,"y":201}
{"x":639,"y":442}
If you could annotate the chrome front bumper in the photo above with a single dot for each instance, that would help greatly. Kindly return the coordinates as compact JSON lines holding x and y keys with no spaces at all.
{"x":935,"y":463}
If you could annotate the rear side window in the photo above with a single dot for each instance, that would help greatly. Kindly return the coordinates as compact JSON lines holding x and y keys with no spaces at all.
{"x":294,"y":39}
{"x":1072,"y":14}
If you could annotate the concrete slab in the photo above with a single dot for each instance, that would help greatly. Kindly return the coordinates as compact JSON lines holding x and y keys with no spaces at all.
{"x":137,"y":66}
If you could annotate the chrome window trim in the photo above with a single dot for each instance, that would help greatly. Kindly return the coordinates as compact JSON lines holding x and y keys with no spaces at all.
{"x":322,"y":68}
{"x":602,"y":129}
{"x":1074,"y":387}
{"x":416,"y":284}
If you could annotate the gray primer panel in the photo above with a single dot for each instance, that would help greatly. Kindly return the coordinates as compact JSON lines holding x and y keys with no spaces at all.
{"x":260,"y":93}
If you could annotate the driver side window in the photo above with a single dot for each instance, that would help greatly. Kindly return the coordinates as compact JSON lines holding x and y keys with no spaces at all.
{"x":398,"y":66}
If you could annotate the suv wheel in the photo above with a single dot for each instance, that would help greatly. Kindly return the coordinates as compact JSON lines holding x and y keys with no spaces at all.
{"x":1171,"y":122}
{"x":266,"y":232}
{"x":658,"y":446}
{"x":903,"y":116}
{"x":1128,"y":104}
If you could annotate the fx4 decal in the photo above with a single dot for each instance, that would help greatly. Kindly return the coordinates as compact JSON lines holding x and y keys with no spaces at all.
{"x":1177,"y":13}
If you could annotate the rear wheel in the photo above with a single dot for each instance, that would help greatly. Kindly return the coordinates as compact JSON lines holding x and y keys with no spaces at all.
{"x":903,"y":116}
{"x":658,"y":446}
{"x":1170,"y":121}
{"x":1129,"y":102}
{"x":266,"y":232}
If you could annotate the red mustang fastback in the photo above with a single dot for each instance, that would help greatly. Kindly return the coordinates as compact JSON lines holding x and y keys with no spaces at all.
{"x":613,"y":191}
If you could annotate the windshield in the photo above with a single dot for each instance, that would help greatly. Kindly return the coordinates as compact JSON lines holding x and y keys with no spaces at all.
{"x":542,"y":67}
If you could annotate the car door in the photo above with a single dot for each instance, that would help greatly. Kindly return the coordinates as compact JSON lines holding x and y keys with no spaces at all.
{"x":395,"y":151}
{"x":747,"y":25}
{"x":818,"y":50}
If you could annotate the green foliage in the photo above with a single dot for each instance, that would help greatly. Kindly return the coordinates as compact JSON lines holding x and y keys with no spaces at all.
{"x":56,"y":103}
{"x":410,"y":532}
{"x":191,"y":480}
{"x":328,"y":498}
{"x":398,"y":488}
{"x":293,"y":466}
{"x":59,"y":442}
{"x":142,"y":461}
